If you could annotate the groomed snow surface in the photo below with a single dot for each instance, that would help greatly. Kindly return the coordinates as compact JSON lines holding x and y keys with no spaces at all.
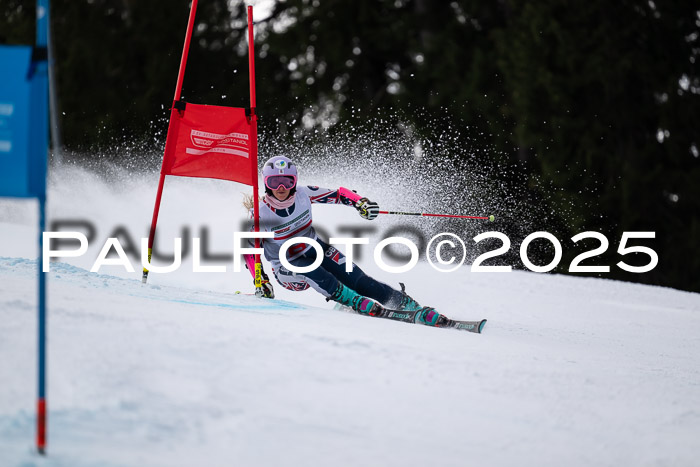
{"x":569,"y":371}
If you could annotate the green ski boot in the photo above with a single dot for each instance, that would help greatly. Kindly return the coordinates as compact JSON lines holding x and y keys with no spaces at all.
{"x":430,"y":317}
{"x":363,"y":305}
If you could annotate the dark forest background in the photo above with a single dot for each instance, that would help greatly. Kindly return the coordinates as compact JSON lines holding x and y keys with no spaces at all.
{"x":596,"y":103}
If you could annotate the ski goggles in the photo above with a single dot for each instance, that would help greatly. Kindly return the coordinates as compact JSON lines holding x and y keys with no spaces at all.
{"x":273,"y":182}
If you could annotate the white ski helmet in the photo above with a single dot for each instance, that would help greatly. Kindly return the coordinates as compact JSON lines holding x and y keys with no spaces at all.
{"x":279,"y":165}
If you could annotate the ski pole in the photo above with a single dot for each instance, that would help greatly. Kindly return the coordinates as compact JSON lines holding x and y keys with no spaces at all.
{"x":490,"y":218}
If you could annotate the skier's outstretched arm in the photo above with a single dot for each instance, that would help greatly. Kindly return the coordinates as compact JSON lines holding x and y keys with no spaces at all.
{"x":367,"y":209}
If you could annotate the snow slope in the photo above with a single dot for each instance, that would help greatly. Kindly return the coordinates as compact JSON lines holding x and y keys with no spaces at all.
{"x":569,"y":371}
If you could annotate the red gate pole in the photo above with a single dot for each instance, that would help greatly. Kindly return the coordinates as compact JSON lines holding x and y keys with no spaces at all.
{"x":178,"y":91}
{"x":254,"y":148}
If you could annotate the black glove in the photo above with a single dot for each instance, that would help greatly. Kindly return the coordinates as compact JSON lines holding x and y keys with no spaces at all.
{"x":367,"y":209}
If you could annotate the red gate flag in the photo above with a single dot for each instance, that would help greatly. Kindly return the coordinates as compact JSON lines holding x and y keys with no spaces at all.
{"x":209,"y":141}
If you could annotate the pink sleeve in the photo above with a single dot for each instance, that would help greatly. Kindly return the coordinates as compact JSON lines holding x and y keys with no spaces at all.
{"x":349,"y":194}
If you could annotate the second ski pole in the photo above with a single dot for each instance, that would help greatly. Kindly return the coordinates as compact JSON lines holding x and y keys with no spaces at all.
{"x":490,"y":218}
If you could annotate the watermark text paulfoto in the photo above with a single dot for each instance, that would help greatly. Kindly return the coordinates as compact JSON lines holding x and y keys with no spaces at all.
{"x":435,"y":245}
{"x":208,"y":253}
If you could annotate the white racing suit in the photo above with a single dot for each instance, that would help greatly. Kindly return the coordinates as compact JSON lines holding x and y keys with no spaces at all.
{"x":295,"y":221}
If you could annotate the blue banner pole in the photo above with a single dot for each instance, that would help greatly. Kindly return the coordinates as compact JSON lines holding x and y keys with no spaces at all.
{"x":24,"y":145}
{"x":41,"y":402}
{"x":40,"y":97}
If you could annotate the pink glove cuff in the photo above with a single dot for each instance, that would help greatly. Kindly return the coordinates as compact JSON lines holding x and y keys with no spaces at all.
{"x":349,"y":194}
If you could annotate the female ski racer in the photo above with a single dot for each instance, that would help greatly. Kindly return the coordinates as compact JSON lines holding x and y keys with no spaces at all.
{"x":286,"y":211}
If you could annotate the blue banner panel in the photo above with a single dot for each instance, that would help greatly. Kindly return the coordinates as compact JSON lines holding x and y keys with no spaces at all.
{"x":23,"y":123}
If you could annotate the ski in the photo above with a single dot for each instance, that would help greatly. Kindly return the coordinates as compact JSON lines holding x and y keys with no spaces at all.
{"x":471,"y":326}
{"x":397,"y":315}
{"x":411,"y":317}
